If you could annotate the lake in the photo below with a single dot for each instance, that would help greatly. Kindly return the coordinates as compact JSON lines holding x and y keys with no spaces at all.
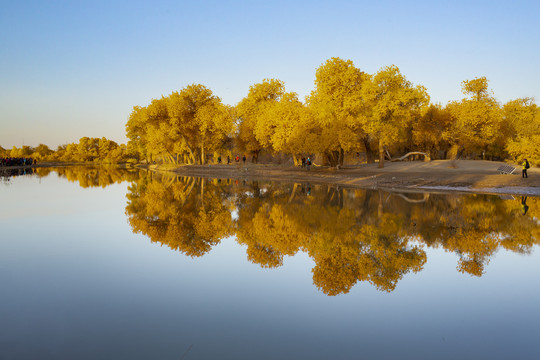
{"x":105,"y":263}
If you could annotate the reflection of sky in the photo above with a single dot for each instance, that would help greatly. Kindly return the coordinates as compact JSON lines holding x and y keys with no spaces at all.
{"x":76,"y":283}
{"x":21,"y":198}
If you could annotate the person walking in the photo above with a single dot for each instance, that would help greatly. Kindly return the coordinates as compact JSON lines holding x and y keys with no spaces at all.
{"x":308,"y":163}
{"x":244,"y":159}
{"x":526,"y":165}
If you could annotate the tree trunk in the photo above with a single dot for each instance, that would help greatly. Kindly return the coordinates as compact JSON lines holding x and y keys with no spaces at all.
{"x":369,"y":151}
{"x":202,"y":155}
{"x":380,"y":211}
{"x":333,"y":158}
{"x":171,"y":158}
{"x":202,"y":191}
{"x":381,"y":154}
{"x":255,"y":156}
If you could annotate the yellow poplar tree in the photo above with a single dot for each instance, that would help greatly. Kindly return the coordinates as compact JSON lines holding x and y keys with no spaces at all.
{"x":199,"y":122}
{"x":137,"y":134}
{"x":476,"y":120}
{"x":286,"y":126}
{"x":522,"y":117}
{"x":337,"y":106}
{"x":428,"y":129}
{"x":250,"y":109}
{"x":393,"y":103}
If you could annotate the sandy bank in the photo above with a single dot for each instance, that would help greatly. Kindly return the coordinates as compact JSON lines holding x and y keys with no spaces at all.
{"x":438,"y":175}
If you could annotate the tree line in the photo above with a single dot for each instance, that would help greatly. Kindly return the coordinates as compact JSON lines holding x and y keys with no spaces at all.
{"x":87,"y":150}
{"x":349,"y":111}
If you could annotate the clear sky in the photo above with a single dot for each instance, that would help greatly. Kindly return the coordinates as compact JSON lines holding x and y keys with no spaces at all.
{"x":70,"y":69}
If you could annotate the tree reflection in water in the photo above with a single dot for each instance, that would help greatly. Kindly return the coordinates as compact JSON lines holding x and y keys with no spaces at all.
{"x":352,"y":235}
{"x":187,"y":214}
{"x":88,"y":176}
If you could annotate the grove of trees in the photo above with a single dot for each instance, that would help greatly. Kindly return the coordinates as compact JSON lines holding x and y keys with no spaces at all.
{"x":87,"y":150}
{"x":348,"y":112}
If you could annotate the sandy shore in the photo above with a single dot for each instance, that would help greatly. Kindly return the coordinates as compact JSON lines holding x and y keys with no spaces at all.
{"x":437,"y":175}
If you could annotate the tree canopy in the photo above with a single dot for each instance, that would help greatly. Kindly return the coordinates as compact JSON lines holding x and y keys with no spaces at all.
{"x":348,"y":112}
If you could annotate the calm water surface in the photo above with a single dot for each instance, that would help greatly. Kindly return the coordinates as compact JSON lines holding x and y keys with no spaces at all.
{"x":111,"y":264}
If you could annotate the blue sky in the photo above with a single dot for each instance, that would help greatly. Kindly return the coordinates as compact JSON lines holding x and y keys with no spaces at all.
{"x":70,"y":69}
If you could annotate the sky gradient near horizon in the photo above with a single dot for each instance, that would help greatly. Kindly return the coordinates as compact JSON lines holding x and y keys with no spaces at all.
{"x":74,"y":69}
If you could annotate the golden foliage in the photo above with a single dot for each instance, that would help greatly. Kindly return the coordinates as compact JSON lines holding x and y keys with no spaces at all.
{"x":185,"y":214}
{"x":351,"y":235}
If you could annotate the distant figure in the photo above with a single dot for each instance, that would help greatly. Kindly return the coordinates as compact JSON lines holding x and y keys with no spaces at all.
{"x":237,"y":158}
{"x":308,"y":163}
{"x":526,"y":165}
{"x":524,"y":207}
{"x":219,"y":159}
{"x":303,"y":162}
{"x":228,"y":159}
{"x":244,"y":159}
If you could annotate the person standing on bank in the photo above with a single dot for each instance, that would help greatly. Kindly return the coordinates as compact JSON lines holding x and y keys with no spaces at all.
{"x":526,"y":165}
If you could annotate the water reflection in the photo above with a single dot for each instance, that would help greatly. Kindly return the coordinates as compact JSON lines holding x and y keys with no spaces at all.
{"x":352,"y":235}
{"x":190,"y":214}
{"x":87,"y":176}
{"x":7,"y":174}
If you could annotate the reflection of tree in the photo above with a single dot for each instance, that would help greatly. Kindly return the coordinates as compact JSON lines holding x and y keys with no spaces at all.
{"x":351,"y":235}
{"x":87,"y":176}
{"x":345,"y":248}
{"x":474,"y":227}
{"x":186,"y":214}
{"x":348,"y":248}
{"x":255,"y":225}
